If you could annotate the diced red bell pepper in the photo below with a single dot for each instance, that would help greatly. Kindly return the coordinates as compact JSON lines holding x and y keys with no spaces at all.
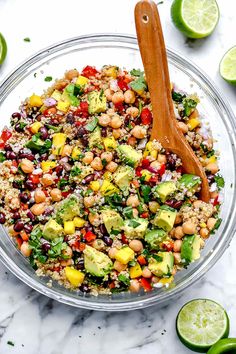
{"x":179,"y":169}
{"x":57,"y":269}
{"x":66,"y":193}
{"x":82,"y":110}
{"x":49,"y":111}
{"x":154,"y":179}
{"x":6,"y":134}
{"x":90,"y":236}
{"x":2,"y":145}
{"x":119,"y":106}
{"x":144,"y":215}
{"x":89,"y":71}
{"x":168,"y":246}
{"x":162,"y":170}
{"x":146,"y":116}
{"x":138,"y":171}
{"x":122,"y":84}
{"x":142,"y":260}
{"x":112,"y":285}
{"x":19,"y":241}
{"x":145,"y":284}
{"x":124,"y":239}
{"x":145,"y":163}
{"x":216,"y":201}
{"x":35,"y":178}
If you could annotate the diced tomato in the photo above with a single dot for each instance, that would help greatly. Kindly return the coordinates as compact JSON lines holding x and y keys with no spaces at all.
{"x":154,"y":179}
{"x":90,"y":236}
{"x":2,"y":145}
{"x":6,"y":134}
{"x":216,"y":201}
{"x":142,"y":260}
{"x":49,"y":111}
{"x":82,"y":110}
{"x":57,"y":269}
{"x":146,"y":116}
{"x":78,"y":124}
{"x":138,"y":171}
{"x":162,"y":170}
{"x":168,"y":246}
{"x":65,"y":193}
{"x":122,"y":84}
{"x":119,"y":106}
{"x":145,"y":163}
{"x":145,"y":284}
{"x":124,"y":239}
{"x":34,"y":178}
{"x":144,"y":215}
{"x":89,"y":71}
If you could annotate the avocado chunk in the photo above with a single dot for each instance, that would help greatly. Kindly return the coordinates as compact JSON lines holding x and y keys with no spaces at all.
{"x":69,"y":95}
{"x":112,"y":220}
{"x":95,"y":138}
{"x":164,"y":190}
{"x":52,"y":230}
{"x":97,"y":102}
{"x":129,"y":155}
{"x":165,"y":218}
{"x":135,"y":228}
{"x":155,"y":238}
{"x":190,"y":249}
{"x":96,"y":263}
{"x":189,"y":182}
{"x":68,"y":209}
{"x":162,"y":264}
{"x":122,"y":178}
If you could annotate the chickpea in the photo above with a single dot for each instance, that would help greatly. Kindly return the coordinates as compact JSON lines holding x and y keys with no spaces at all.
{"x":89,"y":201}
{"x":146,"y":273}
{"x":177,"y":245}
{"x":116,"y":122}
{"x":131,"y":141}
{"x":183,"y":127}
{"x":47,"y":179}
{"x":94,"y":219}
{"x":112,"y":252}
{"x":189,"y":228}
{"x":197,"y":204}
{"x":178,"y":219}
{"x":119,"y":266}
{"x":25,"y":249}
{"x":138,"y":132}
{"x":27,"y":166}
{"x":202,"y":243}
{"x":60,"y":84}
{"x":68,"y":252}
{"x":111,"y":166}
{"x":177,"y":257}
{"x":108,"y":156}
{"x":133,"y":111}
{"x":179,"y":232}
{"x":161,"y":158}
{"x":98,"y":244}
{"x":96,"y":164}
{"x":88,"y":157}
{"x":66,"y":151}
{"x":153,"y":206}
{"x":15,"y":203}
{"x":39,"y":196}
{"x":104,"y":120}
{"x":172,"y":232}
{"x":132,"y":201}
{"x":134,"y":286}
{"x":194,"y":114}
{"x":129,"y":96}
{"x":155,"y":279}
{"x":135,"y":212}
{"x":38,"y":209}
{"x":212,"y":167}
{"x":211,"y":223}
{"x":118,"y":97}
{"x":204,"y":232}
{"x":108,"y":93}
{"x":136,"y":245}
{"x":116,"y":133}
{"x":155,"y":164}
{"x":56,"y":194}
{"x":71,"y":74}
{"x":66,"y":262}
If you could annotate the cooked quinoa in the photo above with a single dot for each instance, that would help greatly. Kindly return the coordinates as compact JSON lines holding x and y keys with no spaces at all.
{"x":89,"y":199}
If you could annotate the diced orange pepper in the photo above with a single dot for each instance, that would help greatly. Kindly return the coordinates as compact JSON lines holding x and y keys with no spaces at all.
{"x":142,"y":260}
{"x":24,"y":236}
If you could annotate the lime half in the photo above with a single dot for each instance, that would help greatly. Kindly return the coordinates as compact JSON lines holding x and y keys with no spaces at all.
{"x":201,"y":323}
{"x":228,"y":66}
{"x":195,"y":18}
{"x":3,"y":49}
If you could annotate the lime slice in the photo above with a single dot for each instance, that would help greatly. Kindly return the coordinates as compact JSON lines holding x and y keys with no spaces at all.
{"x":195,"y":18}
{"x":3,"y":49}
{"x":228,"y":66}
{"x":201,"y":323}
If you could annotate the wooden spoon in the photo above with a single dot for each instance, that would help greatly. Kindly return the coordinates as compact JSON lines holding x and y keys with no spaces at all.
{"x":165,"y":128}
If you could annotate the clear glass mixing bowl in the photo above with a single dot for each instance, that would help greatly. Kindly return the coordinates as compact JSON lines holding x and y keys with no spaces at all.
{"x":122,"y":50}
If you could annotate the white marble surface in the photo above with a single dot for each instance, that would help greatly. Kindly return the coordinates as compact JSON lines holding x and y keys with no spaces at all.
{"x":38,"y":325}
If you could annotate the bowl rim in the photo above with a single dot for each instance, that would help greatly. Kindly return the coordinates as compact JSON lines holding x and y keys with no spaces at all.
{"x":83,"y":302}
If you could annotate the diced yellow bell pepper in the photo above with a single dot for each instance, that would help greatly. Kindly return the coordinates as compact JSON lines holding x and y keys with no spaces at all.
{"x":63,"y":106}
{"x":95,"y":186}
{"x":109,"y":143}
{"x":82,"y":80}
{"x":74,"y":276}
{"x":149,"y":150}
{"x":35,"y":127}
{"x":193,"y":123}
{"x":107,"y":175}
{"x":111,"y":71}
{"x":108,"y":188}
{"x":212,"y":159}
{"x":69,"y":227}
{"x":75,"y":153}
{"x":56,"y":95}
{"x":48,"y":165}
{"x":35,"y":101}
{"x":79,"y":222}
{"x":154,"y":154}
{"x":146,"y":174}
{"x":124,"y":255}
{"x":166,"y":280}
{"x":203,"y":224}
{"x":58,"y":141}
{"x":135,"y":271}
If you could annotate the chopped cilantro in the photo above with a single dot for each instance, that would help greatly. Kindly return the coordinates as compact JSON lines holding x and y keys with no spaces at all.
{"x":146,"y":190}
{"x":217,"y":225}
{"x":219,"y":181}
{"x":62,"y":183}
{"x":104,"y":162}
{"x":57,"y":246}
{"x":177,"y":97}
{"x":133,"y":223}
{"x":189,"y":106}
{"x":136,"y":72}
{"x":48,"y":78}
{"x":75,"y":171}
{"x":128,"y":212}
{"x":210,"y":153}
{"x":10,"y":343}
{"x":124,"y":279}
{"x":157,"y":258}
{"x":2,"y":157}
{"x":139,"y":84}
{"x":27,"y":39}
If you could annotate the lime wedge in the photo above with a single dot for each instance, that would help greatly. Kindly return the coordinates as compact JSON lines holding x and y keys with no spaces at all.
{"x":3,"y":49}
{"x":201,"y":323}
{"x":195,"y":18}
{"x":228,"y":66}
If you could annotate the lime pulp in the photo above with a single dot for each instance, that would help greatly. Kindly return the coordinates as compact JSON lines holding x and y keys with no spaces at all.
{"x":228,"y":66}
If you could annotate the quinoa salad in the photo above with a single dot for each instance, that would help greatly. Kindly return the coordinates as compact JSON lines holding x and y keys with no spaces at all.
{"x":89,"y":199}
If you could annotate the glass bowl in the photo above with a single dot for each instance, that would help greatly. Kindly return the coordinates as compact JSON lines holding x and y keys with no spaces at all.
{"x":122,"y":50}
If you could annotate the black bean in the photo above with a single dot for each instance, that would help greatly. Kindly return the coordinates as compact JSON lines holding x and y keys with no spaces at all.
{"x":2,"y":218}
{"x":19,"y":128}
{"x":10,"y":155}
{"x":24,"y":154}
{"x":103,"y":229}
{"x":81,"y":132}
{"x":15,"y":184}
{"x":19,"y":226}
{"x":48,"y":211}
{"x":80,"y":264}
{"x":16,"y":215}
{"x":28,"y":228}
{"x":84,"y":288}
{"x":30,"y":215}
{"x":59,"y":170}
{"x":46,"y":246}
{"x":84,"y":140}
{"x":70,"y":118}
{"x":7,"y":147}
{"x":24,"y":197}
{"x":104,"y":132}
{"x":16,"y":115}
{"x":29,"y":185}
{"x":43,"y":157}
{"x":108,"y":240}
{"x":211,"y":178}
{"x":43,"y":133}
{"x":171,"y":161}
{"x":88,"y":179}
{"x":173,"y":203}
